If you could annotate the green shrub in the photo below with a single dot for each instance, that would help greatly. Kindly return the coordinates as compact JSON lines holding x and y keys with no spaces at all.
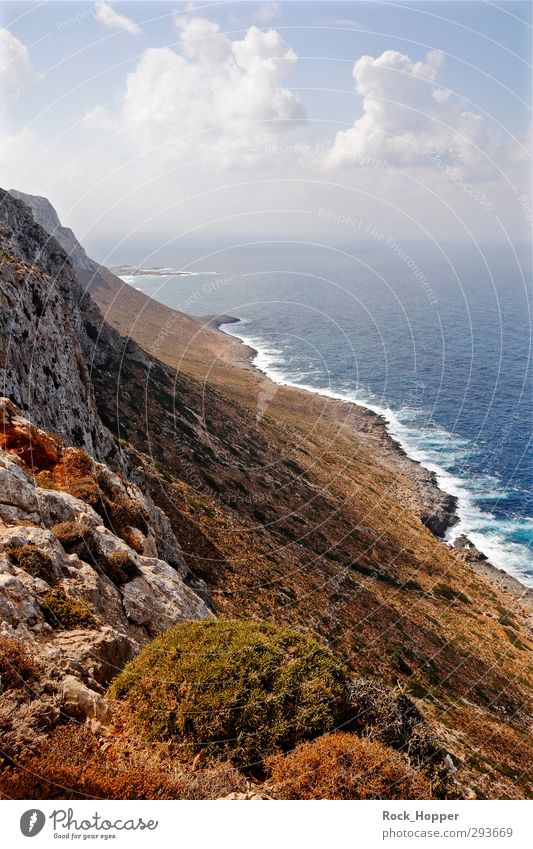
{"x":447,"y":592}
{"x":35,"y":562}
{"x":241,"y":689}
{"x":65,"y":613}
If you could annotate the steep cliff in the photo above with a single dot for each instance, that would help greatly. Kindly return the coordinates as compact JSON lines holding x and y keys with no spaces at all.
{"x":45,"y":353}
{"x":47,"y":218}
{"x":307,"y":516}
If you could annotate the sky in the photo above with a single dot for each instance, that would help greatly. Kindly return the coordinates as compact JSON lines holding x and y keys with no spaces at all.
{"x":160,"y":123}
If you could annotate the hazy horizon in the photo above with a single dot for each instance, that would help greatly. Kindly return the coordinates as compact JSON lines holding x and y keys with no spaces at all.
{"x":141,"y":121}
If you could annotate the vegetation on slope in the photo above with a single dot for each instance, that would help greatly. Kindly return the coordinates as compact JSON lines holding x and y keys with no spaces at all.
{"x":307,"y":519}
{"x":236,"y":688}
{"x":343,"y":766}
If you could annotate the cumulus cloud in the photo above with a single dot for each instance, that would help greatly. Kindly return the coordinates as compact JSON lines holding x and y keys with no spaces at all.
{"x":201,"y":39}
{"x":268,"y":12}
{"x":97,"y":119}
{"x":15,"y":67}
{"x":216,"y":98}
{"x":106,"y":15}
{"x":406,"y":114}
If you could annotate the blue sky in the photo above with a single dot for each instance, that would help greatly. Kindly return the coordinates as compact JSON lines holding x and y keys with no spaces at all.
{"x":95,"y":90}
{"x":488,"y":47}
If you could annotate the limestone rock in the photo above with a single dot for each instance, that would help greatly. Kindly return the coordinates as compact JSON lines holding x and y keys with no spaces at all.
{"x":159,"y":598}
{"x":128,"y":608}
{"x":78,"y":700}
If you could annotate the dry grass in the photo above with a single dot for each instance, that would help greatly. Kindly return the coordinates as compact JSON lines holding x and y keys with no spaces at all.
{"x":337,"y":550}
{"x":65,"y":613}
{"x":16,"y":666}
{"x":32,"y":560}
{"x":344,"y":766}
{"x":76,"y":538}
{"x":76,"y":765}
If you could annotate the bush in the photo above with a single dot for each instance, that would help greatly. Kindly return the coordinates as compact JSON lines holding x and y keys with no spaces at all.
{"x":65,"y":613}
{"x":389,"y":716}
{"x":447,"y":592}
{"x":16,"y":666}
{"x":119,"y":566}
{"x":70,"y":535}
{"x":35,"y":562}
{"x":86,"y":489}
{"x":78,"y":463}
{"x":46,"y":480}
{"x":241,"y":689}
{"x":127,"y":512}
{"x":343,"y":766}
{"x":73,"y":766}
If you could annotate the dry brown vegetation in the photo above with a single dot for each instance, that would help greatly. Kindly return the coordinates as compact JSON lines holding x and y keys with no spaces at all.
{"x":78,"y":539}
{"x":309,"y":518}
{"x":237,"y":689}
{"x":76,"y":765}
{"x":32,"y":560}
{"x":343,"y":766}
{"x":65,"y":613}
{"x":16,"y":665}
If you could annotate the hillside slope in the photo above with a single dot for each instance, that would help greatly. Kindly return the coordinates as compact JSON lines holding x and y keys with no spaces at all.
{"x":308,"y":516}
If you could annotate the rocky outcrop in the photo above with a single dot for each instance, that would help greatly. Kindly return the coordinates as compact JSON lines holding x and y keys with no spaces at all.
{"x":82,"y":590}
{"x":44,"y":359}
{"x":436,"y":509}
{"x":46,"y":216}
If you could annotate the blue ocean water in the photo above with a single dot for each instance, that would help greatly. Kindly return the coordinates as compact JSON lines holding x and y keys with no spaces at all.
{"x":436,"y":339}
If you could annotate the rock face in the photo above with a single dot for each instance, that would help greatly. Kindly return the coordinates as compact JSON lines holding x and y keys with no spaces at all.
{"x":46,"y":216}
{"x":44,"y":348}
{"x":82,"y":590}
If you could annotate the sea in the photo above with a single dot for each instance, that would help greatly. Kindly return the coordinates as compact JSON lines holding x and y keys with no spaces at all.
{"x":437,"y":339}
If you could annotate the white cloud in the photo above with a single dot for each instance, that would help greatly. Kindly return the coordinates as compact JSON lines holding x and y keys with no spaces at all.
{"x":219,"y":98}
{"x":97,"y":119}
{"x":201,"y":39}
{"x":107,"y":16}
{"x":345,"y":22}
{"x":268,"y":12}
{"x":405,"y":112}
{"x":16,"y":69}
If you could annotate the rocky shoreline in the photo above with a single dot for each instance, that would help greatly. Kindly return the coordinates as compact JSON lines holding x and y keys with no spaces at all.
{"x":436,"y":508}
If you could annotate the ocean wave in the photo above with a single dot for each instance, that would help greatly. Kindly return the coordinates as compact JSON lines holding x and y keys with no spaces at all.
{"x":434,"y":448}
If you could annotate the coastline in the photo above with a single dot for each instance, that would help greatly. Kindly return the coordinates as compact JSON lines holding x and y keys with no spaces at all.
{"x":438,"y":508}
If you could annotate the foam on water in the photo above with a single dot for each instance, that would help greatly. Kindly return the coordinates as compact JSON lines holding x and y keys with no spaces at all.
{"x":435,"y":448}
